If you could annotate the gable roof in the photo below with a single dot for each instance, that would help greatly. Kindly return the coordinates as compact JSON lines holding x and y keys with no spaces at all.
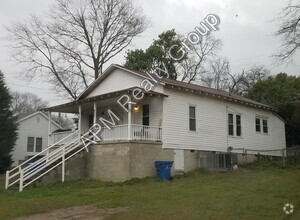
{"x":110,"y":69}
{"x":38,"y":113}
{"x":214,"y":93}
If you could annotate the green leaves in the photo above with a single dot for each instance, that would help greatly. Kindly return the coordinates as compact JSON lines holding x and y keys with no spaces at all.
{"x":276,"y":90}
{"x":155,"y":54}
{"x":8,"y":126}
{"x":283,"y":93}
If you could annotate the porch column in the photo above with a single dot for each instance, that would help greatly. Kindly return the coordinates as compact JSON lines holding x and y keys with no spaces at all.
{"x":95,"y":113}
{"x":79,"y":121}
{"x":129,"y":119}
{"x":49,"y":127}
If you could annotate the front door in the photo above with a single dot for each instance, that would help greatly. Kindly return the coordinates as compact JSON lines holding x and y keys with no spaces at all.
{"x":146,"y":115}
{"x":179,"y":159}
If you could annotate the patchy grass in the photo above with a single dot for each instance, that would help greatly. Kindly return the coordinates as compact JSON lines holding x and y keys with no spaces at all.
{"x":247,"y":194}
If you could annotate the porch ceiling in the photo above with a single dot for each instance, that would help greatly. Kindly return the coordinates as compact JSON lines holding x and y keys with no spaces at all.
{"x":105,"y":100}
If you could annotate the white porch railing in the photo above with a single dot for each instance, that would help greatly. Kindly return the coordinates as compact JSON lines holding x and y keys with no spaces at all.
{"x":41,"y":164}
{"x":147,"y":133}
{"x":58,"y":136}
{"x":138,"y":132}
{"x":119,"y":132}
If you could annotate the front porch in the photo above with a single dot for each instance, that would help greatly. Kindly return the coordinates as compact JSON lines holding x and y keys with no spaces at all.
{"x":142,"y":121}
{"x":117,"y":133}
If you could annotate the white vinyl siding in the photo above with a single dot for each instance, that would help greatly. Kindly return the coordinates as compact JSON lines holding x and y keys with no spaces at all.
{"x":120,"y":80}
{"x":212,"y":132}
{"x":35,"y":128}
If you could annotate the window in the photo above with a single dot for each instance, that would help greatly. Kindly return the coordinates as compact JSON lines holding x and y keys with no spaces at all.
{"x":257,"y":124}
{"x":234,"y":125}
{"x":238,"y":125}
{"x":37,"y":119}
{"x":265,"y":126}
{"x":34,"y":144}
{"x":38,"y":144}
{"x":261,"y":125}
{"x":192,"y":118}
{"x":30,"y":144}
{"x":230,"y":124}
{"x":146,"y":115}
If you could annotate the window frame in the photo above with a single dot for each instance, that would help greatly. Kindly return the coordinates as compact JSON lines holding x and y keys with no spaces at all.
{"x":263,"y":127}
{"x":238,"y":132}
{"x":234,"y":126}
{"x":192,"y":119}
{"x":230,"y":124}
{"x":34,"y":146}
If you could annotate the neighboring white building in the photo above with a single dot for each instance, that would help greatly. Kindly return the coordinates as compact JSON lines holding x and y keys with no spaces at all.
{"x":32,"y":136}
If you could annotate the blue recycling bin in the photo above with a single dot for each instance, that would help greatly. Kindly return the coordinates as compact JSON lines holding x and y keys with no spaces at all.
{"x":163,"y":169}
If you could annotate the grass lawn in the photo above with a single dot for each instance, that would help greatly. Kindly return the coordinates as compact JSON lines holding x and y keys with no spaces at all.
{"x":246,"y":194}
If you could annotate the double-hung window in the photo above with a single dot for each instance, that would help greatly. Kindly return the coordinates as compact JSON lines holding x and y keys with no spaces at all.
{"x":261,"y":125}
{"x":234,"y":125}
{"x":34,"y":144}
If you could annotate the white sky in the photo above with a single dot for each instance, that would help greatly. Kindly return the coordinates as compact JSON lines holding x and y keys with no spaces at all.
{"x":246,"y":30}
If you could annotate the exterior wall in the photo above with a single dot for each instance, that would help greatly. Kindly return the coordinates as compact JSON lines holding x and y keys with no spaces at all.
{"x":211,"y":125}
{"x":31,"y":128}
{"x":155,"y":108}
{"x":125,"y":160}
{"x":119,"y":80}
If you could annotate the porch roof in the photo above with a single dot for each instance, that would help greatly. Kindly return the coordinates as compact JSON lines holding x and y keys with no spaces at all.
{"x":70,"y":106}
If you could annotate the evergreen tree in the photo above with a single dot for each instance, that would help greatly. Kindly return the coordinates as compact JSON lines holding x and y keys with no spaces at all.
{"x":8,"y":126}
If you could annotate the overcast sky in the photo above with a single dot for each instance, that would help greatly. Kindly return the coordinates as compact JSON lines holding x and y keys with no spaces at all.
{"x":246,"y":31}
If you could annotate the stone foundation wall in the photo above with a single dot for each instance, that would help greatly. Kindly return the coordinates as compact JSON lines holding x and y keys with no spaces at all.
{"x":120,"y":161}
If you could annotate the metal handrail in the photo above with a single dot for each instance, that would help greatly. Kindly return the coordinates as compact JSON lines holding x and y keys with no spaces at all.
{"x":23,"y":171}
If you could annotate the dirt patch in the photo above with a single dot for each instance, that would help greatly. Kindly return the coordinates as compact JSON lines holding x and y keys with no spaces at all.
{"x":78,"y":213}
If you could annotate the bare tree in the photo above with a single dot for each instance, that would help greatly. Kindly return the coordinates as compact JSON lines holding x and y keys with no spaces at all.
{"x":242,"y":82}
{"x":193,"y":67}
{"x":26,"y":103}
{"x":217,"y":76}
{"x":289,"y":31}
{"x":76,"y":39}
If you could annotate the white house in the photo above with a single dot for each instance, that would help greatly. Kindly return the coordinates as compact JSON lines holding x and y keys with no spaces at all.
{"x":32,"y":136}
{"x":139,"y":118}
{"x":189,"y":117}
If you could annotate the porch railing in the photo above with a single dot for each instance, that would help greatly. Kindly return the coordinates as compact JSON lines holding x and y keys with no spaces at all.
{"x":58,"y":136}
{"x":118,"y":132}
{"x":142,"y":132}
{"x":138,"y":132}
